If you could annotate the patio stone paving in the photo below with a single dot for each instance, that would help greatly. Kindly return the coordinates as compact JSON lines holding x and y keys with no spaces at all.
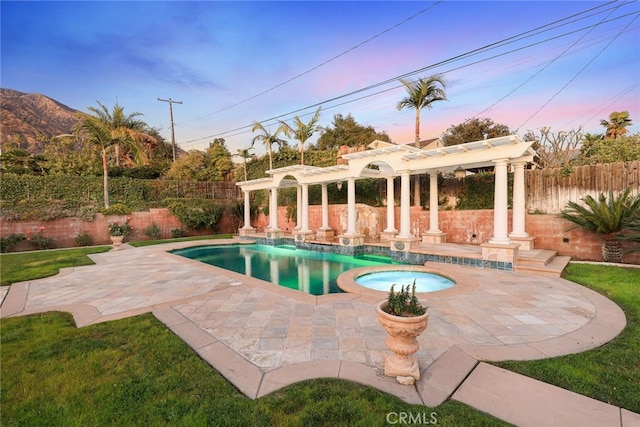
{"x":490,"y":315}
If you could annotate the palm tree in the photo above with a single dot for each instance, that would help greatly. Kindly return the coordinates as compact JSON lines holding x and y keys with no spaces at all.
{"x":112,"y":129}
{"x":604,"y":216}
{"x":303,"y":131}
{"x":244,"y":154}
{"x":617,"y":124}
{"x":420,"y":94}
{"x":423,"y":93}
{"x":268,"y":138}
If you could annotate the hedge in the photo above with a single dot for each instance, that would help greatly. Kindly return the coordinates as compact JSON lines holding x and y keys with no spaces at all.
{"x":57,"y":196}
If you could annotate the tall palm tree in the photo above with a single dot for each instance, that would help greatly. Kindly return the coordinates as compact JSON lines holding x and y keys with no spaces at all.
{"x":303,"y":131}
{"x":617,"y":124}
{"x":604,"y":216}
{"x":244,"y":154}
{"x":112,"y":129}
{"x":268,"y":138}
{"x":420,"y":94}
{"x":423,"y":93}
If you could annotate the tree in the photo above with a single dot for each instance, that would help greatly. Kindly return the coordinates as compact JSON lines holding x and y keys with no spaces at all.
{"x":210,"y":165}
{"x":606,"y":216}
{"x":268,"y":138}
{"x":18,"y":161}
{"x":303,"y":131}
{"x":474,"y":130}
{"x":112,"y":130}
{"x":617,"y":124}
{"x":219,"y":160}
{"x":72,"y":155}
{"x":555,"y":149}
{"x":624,"y":148}
{"x":346,"y":131}
{"x":423,"y":93}
{"x":244,"y":154}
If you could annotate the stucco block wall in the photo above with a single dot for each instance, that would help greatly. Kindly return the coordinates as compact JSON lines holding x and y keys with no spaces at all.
{"x":64,"y":231}
{"x":476,"y":227}
{"x":469,"y":227}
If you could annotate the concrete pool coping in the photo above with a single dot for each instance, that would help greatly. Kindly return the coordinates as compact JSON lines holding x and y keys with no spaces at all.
{"x":347,"y":280}
{"x":203,"y":305}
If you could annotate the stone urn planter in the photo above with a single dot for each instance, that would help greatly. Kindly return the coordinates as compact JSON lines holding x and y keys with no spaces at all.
{"x":402,"y":333}
{"x":116,"y":241}
{"x":117,"y":233}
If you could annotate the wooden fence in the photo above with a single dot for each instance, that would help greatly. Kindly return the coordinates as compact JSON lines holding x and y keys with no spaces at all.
{"x":549,"y":190}
{"x":187,"y":189}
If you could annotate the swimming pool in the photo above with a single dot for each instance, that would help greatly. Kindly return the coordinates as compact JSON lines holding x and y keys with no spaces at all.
{"x":315,"y":273}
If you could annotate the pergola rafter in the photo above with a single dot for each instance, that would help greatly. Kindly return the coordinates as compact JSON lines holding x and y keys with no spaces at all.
{"x":403,"y":161}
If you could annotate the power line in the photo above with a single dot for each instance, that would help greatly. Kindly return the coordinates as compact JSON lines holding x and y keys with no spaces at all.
{"x":321,"y":64}
{"x":173,"y":135}
{"x":615,"y":99}
{"x":547,"y":65}
{"x":578,"y":73}
{"x":509,"y":40}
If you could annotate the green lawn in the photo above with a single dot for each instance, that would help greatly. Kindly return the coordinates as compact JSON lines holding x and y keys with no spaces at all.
{"x":135,"y":371}
{"x":610,"y":373}
{"x":18,"y":267}
{"x":141,"y":243}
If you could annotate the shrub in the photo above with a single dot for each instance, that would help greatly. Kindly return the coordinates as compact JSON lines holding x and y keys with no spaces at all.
{"x":116,"y":229}
{"x":196,"y":214}
{"x":83,"y":240}
{"x":40,"y":241}
{"x":117,"y":209}
{"x":152,"y":231}
{"x":404,"y":303}
{"x":177,"y":233}
{"x":7,"y":243}
{"x":87,"y":212}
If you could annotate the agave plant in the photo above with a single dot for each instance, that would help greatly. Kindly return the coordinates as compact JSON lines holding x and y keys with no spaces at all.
{"x":606,"y":216}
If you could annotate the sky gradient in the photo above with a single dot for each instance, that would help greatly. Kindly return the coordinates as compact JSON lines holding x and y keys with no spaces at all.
{"x":233,"y":63}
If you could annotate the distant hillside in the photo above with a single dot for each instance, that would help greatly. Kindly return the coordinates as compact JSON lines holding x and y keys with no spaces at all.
{"x":32,"y":118}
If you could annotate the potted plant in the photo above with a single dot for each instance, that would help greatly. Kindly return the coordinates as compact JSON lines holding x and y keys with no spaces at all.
{"x":117,"y":233}
{"x":404,"y":318}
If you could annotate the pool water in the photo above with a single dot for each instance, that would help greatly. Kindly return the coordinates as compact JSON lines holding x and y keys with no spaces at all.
{"x":425,"y":282}
{"x":312,"y":272}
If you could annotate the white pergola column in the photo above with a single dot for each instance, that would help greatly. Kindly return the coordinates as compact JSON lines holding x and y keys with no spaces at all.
{"x":247,"y":211}
{"x":298,"y":208}
{"x":500,"y":204}
{"x":416,"y":190}
{"x":519,"y":207}
{"x":273,"y":210}
{"x":405,"y":204}
{"x":391,"y":215}
{"x":325,"y":208}
{"x":351,"y":207}
{"x":434,"y":222}
{"x":304,"y":228}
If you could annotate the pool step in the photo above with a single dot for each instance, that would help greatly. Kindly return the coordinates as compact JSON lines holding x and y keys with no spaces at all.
{"x":541,"y":261}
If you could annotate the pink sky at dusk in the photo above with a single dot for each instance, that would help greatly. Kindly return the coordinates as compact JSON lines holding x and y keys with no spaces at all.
{"x":216,"y":57}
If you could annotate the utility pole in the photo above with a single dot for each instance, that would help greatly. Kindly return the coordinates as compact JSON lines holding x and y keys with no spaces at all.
{"x":173,"y":136}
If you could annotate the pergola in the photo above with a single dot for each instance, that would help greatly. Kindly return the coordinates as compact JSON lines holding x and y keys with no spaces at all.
{"x":392,"y":161}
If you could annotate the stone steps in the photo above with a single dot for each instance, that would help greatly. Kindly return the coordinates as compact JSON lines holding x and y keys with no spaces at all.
{"x":551,"y":267}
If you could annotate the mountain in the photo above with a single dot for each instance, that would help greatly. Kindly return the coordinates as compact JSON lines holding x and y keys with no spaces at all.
{"x":32,"y":119}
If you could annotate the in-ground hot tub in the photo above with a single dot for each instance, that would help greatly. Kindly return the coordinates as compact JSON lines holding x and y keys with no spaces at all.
{"x":425,"y":281}
{"x":377,"y":281}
